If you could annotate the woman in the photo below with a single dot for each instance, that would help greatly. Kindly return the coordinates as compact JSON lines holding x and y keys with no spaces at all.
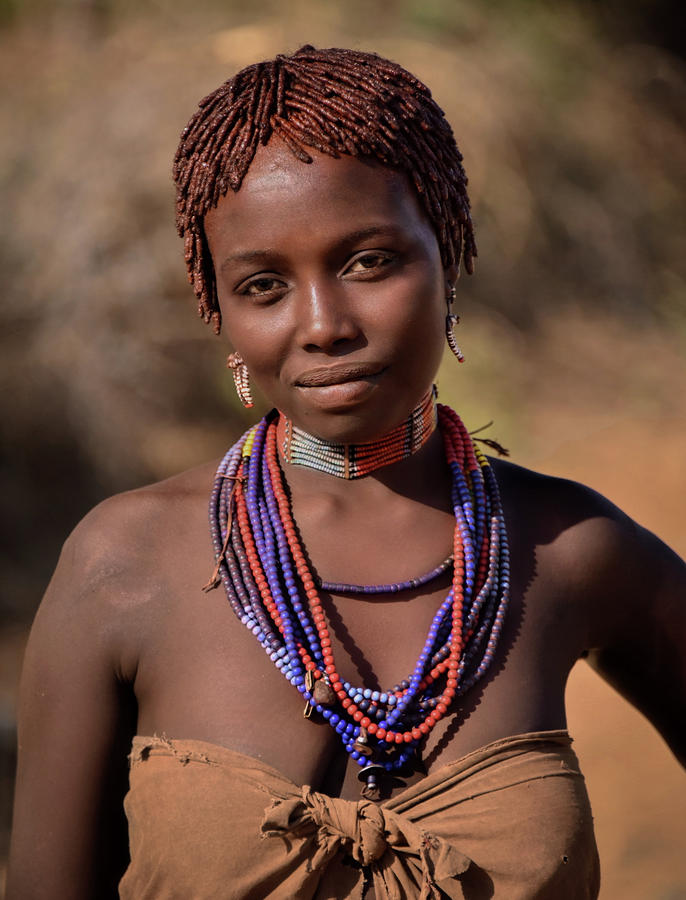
{"x":359,"y":537}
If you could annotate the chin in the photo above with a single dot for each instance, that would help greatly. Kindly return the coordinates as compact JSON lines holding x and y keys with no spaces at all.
{"x":343,"y":421}
{"x":342,"y":427}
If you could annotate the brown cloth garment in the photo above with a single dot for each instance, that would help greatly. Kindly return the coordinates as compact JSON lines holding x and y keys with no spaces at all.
{"x":510,"y":820}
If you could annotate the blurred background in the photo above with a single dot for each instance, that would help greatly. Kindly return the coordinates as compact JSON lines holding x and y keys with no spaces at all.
{"x":572,"y":119}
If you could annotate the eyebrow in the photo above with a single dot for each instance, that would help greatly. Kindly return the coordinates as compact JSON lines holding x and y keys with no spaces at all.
{"x":251,"y":256}
{"x":371,"y":231}
{"x":248,"y":256}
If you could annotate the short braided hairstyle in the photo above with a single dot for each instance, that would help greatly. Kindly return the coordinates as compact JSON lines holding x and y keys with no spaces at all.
{"x":336,"y":102}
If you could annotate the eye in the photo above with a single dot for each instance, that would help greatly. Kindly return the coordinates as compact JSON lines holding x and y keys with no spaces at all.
{"x":370,"y":261}
{"x":261,"y":286}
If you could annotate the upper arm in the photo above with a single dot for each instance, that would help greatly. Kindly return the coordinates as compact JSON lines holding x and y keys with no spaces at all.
{"x":627,"y":592}
{"x":76,"y":719}
{"x":641,"y":628}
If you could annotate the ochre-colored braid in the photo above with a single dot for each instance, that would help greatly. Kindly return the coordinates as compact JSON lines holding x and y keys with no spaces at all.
{"x":332,"y":101}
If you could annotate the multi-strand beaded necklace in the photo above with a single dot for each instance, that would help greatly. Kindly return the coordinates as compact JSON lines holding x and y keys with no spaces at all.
{"x":273,"y":592}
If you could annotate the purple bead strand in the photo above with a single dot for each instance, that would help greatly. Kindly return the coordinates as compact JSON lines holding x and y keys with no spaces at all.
{"x":334,"y":587}
{"x":478,"y":512}
{"x":289,"y":578}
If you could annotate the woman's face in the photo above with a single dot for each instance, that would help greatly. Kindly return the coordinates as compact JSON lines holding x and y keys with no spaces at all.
{"x":331,"y":288}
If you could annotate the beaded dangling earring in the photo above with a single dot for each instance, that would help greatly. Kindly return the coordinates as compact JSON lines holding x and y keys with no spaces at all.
{"x":451,"y":320}
{"x":241,"y":378}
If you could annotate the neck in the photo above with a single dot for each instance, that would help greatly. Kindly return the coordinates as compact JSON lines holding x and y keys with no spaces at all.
{"x":351,"y":461}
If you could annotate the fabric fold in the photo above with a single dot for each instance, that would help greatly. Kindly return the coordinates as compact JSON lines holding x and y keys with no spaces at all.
{"x":367,"y":833}
{"x":509,"y":820}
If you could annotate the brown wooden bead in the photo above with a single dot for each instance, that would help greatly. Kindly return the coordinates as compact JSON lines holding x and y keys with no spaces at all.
{"x":323,"y":693}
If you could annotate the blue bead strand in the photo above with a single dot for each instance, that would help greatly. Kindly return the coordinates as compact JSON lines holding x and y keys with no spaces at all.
{"x":480,"y":529}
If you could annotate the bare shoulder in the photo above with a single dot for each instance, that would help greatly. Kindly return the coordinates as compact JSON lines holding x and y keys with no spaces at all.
{"x":120,"y":561}
{"x":625,"y":583}
{"x":124,"y":516}
{"x":560,"y":502}
{"x":124,"y":531}
{"x":103,"y":610}
{"x":622,"y":571}
{"x":566,"y":514}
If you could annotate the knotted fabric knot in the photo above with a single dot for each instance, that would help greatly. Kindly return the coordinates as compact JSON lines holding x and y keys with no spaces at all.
{"x":399,"y":856}
{"x":357,"y":829}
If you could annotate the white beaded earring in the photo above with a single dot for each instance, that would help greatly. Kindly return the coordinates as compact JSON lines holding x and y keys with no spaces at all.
{"x":241,"y":378}
{"x":451,"y":320}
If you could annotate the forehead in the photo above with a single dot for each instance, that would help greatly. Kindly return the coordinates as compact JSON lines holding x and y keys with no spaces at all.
{"x":280,"y":193}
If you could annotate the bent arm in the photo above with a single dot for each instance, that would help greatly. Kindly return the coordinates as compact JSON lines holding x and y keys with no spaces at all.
{"x":643,"y":655}
{"x":76,"y":719}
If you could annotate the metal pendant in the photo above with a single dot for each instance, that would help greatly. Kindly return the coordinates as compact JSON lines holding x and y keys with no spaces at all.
{"x":371,"y":775}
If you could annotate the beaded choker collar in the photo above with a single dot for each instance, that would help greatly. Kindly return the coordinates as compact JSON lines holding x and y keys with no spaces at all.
{"x":357,"y":460}
{"x":272,"y":591}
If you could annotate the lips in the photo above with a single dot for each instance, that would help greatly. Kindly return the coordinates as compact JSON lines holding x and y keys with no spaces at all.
{"x":323,"y":376}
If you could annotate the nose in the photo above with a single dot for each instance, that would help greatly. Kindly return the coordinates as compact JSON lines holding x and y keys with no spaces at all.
{"x":325,"y":319}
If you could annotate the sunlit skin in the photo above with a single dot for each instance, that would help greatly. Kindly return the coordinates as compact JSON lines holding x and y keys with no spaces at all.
{"x":126,"y":641}
{"x":327,"y":287}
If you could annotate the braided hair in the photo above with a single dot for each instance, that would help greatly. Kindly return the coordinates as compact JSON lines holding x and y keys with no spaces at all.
{"x":335,"y":102}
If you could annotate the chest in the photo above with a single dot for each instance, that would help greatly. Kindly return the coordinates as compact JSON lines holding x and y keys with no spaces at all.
{"x":203,"y":675}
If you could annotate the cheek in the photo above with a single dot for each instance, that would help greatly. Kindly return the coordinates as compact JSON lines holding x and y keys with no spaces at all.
{"x":256,"y":335}
{"x":422,"y":319}
{"x":430,"y":346}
